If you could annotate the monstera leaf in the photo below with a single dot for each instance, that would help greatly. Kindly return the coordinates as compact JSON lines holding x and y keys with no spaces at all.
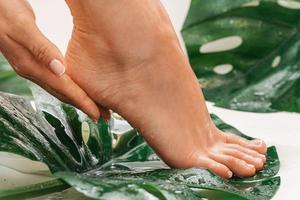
{"x":80,"y":153}
{"x":246,"y":53}
{"x":10,"y":82}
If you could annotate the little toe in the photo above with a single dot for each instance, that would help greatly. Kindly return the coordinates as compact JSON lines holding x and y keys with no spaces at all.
{"x":215,"y":167}
{"x":237,"y":166}
{"x":256,"y":145}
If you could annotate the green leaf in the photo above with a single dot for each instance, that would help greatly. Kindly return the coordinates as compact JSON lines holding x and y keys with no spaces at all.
{"x":137,"y":165}
{"x":127,"y":141}
{"x":10,"y":82}
{"x":34,"y":190}
{"x":266,"y":66}
{"x":272,"y":165}
{"x":163,"y":184}
{"x":82,"y":155}
{"x":43,"y":137}
{"x":126,"y":186}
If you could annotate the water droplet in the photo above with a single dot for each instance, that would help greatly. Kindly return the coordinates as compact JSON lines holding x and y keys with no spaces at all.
{"x":259,"y":93}
{"x":178,"y":192}
{"x":112,"y":167}
{"x":130,"y":186}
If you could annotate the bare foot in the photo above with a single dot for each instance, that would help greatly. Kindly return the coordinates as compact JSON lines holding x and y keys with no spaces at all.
{"x":126,"y":56}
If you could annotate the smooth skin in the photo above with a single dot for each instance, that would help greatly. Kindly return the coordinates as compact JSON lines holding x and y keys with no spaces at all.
{"x":34,"y":57}
{"x":130,"y":61}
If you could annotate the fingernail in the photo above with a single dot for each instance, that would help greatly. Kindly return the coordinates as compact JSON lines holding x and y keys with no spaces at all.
{"x":230,"y":174}
{"x":57,"y":67}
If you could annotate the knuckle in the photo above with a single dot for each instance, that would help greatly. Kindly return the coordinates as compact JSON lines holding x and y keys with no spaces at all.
{"x":231,"y":159}
{"x":213,"y":166}
{"x":84,"y":99}
{"x":22,"y":21}
{"x":40,"y":52}
{"x":21,"y":67}
{"x":21,"y":71}
{"x":233,"y":146}
{"x":235,"y":152}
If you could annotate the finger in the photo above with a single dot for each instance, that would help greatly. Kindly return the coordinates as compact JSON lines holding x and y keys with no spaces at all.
{"x":105,"y":113}
{"x":25,"y":65}
{"x":72,"y":92}
{"x":215,"y":167}
{"x":257,"y":145}
{"x":237,"y":166}
{"x":40,"y":47}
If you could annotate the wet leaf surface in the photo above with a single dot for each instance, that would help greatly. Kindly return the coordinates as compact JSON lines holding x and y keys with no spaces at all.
{"x":54,"y":135}
{"x":163,"y":184}
{"x":34,"y":190}
{"x":261,"y":72}
{"x":43,"y":137}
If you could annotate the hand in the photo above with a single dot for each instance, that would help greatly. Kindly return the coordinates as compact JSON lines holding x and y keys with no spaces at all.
{"x":34,"y":57}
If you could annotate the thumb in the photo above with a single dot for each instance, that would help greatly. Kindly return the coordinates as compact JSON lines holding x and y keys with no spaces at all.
{"x":43,"y":50}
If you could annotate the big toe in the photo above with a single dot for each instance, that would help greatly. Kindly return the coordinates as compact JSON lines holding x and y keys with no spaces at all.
{"x":257,"y":145}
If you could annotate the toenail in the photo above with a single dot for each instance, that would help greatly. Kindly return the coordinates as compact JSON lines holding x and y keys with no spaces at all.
{"x":230,"y":174}
{"x":258,"y":161}
{"x":258,"y":142}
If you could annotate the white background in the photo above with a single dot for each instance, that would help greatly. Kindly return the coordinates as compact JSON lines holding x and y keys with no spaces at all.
{"x":280,"y":129}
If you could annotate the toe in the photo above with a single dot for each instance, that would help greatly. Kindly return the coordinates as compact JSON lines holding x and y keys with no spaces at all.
{"x":257,"y":162}
{"x":259,"y":145}
{"x":237,"y":166}
{"x":215,"y":167}
{"x":247,"y":151}
{"x":256,"y":145}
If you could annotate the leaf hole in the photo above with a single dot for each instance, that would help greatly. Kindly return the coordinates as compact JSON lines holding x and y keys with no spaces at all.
{"x":289,"y":4}
{"x":223,"y":69}
{"x":85,"y":132}
{"x":254,"y":3}
{"x":276,"y":61}
{"x":223,"y":44}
